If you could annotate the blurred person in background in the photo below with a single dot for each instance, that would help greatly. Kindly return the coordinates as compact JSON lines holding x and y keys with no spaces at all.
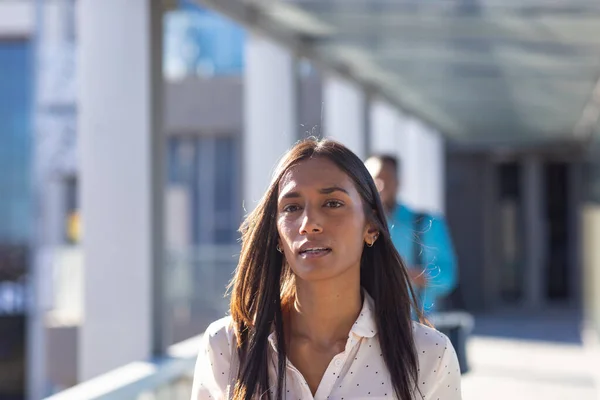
{"x":422,"y":240}
{"x":321,"y":304}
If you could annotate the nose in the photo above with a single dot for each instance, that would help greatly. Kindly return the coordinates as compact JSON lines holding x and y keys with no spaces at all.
{"x":310,"y":222}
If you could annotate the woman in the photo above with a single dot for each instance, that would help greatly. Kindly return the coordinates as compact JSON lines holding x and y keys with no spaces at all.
{"x":321,"y":301}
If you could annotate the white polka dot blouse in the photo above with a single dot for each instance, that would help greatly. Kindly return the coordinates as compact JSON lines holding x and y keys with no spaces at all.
{"x":359,"y":372}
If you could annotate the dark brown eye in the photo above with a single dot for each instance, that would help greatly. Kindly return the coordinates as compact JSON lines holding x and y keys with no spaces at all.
{"x":334,"y":204}
{"x":291,"y":208}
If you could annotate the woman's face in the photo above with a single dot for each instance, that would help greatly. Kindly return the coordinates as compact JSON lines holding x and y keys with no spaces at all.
{"x":321,"y":220}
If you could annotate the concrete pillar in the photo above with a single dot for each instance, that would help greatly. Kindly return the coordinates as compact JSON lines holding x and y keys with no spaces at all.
{"x":122,"y":187}
{"x":56,"y":213}
{"x":532,"y":185}
{"x":407,"y":151}
{"x":590,"y":220}
{"x":54,"y":146}
{"x":432,"y":167}
{"x":590,"y":235}
{"x":270,"y":113}
{"x":383,"y":127}
{"x":345,"y":116}
{"x":422,"y":152}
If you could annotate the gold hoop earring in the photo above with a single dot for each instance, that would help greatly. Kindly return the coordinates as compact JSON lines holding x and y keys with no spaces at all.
{"x":374,"y":240}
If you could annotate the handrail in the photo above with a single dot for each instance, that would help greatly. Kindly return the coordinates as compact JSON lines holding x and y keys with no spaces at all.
{"x":137,"y":378}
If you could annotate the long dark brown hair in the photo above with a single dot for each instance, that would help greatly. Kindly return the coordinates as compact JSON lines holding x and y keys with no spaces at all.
{"x":262,"y":284}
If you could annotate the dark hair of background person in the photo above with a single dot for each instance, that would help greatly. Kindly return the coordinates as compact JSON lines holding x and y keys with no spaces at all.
{"x":388,"y":159}
{"x":263,"y":284}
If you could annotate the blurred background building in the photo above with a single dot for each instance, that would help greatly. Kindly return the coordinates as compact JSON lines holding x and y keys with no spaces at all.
{"x":134,"y":136}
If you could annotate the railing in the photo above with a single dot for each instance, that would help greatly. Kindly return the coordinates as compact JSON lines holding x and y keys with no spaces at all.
{"x":165,"y":378}
{"x":194,"y":278}
{"x":195,"y":281}
{"x":170,"y":377}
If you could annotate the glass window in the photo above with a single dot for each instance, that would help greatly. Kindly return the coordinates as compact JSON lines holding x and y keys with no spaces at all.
{"x":199,"y":42}
{"x":15,"y":113}
{"x":15,"y":214}
{"x":227,"y":199}
{"x":203,"y":207}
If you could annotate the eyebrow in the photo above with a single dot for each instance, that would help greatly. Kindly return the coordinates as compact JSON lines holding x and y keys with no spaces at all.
{"x":327,"y":190}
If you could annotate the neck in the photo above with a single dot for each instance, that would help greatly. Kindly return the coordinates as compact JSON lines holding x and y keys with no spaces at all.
{"x":324,"y":312}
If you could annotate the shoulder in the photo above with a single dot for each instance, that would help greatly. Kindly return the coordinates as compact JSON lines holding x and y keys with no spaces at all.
{"x":429,"y":340}
{"x":433,"y":348}
{"x":217,"y":345}
{"x":406,"y":213}
{"x":223,"y":325}
{"x":403,"y":209}
{"x":219,"y":334}
{"x":402,"y":213}
{"x":212,"y":371}
{"x":438,"y":363}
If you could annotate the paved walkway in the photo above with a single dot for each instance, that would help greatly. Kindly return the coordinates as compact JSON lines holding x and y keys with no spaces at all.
{"x":529,"y":368}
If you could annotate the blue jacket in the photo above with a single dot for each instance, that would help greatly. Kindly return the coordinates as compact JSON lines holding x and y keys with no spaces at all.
{"x":437,"y":252}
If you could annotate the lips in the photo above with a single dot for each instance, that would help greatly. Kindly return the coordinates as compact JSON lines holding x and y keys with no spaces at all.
{"x":314,"y":251}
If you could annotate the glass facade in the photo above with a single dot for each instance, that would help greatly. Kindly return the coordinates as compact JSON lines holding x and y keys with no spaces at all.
{"x":200,"y":42}
{"x":207,"y":170}
{"x":15,"y":211}
{"x":15,"y":123}
{"x":204,"y":210}
{"x":204,"y":202}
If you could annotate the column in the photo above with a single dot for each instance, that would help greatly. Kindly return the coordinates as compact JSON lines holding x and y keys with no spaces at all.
{"x":122,"y":187}
{"x":590,"y":234}
{"x":432,"y":160}
{"x":383,"y":127}
{"x":270,"y":97}
{"x":54,"y":158}
{"x":590,"y":221}
{"x":345,"y":114}
{"x":406,"y":148}
{"x":423,"y":163}
{"x":532,"y":185}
